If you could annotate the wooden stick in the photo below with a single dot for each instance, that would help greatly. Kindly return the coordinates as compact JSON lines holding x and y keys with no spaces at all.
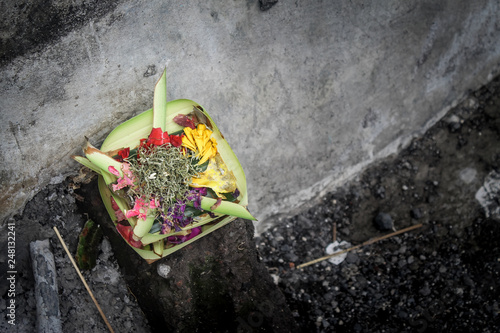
{"x":83,"y":280}
{"x":334,"y":232}
{"x":368,"y":242}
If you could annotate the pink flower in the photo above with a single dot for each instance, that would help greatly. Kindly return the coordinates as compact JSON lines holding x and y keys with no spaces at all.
{"x":127,"y":179}
{"x":152,"y":204}
{"x":140,"y":209}
{"x":113,"y":171}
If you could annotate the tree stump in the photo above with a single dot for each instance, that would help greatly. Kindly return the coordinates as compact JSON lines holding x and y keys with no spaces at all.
{"x":216,"y":284}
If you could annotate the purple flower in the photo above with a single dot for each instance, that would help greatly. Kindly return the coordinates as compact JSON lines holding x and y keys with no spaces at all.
{"x":181,"y":239}
{"x":166,"y":226}
{"x":195,"y":196}
{"x":197,"y":203}
{"x":174,"y":217}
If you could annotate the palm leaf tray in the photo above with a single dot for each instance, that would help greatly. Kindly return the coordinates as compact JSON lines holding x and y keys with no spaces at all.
{"x":167,"y":177}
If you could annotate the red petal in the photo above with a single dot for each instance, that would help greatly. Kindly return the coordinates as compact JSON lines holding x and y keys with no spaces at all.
{"x":114,"y":205}
{"x":157,"y":137}
{"x":124,"y":153}
{"x":156,"y":133}
{"x":184,"y":121}
{"x":126,"y":232}
{"x":176,"y":140}
{"x":113,"y":171}
{"x":166,"y":138}
{"x":134,"y":243}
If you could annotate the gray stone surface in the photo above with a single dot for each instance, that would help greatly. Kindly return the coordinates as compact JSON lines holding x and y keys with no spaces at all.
{"x":46,"y":292}
{"x":306,"y":93}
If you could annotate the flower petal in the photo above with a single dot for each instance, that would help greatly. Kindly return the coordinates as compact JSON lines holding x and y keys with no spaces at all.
{"x":113,"y":171}
{"x":124,"y":153}
{"x":184,"y":121}
{"x":176,"y":140}
{"x":126,"y":232}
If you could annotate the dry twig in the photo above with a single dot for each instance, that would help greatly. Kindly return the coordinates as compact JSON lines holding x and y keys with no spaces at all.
{"x":83,"y":280}
{"x":368,"y":242}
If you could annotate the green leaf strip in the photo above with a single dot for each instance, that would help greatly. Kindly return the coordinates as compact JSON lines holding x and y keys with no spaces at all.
{"x":101,"y":160}
{"x":143,"y":226}
{"x":85,"y":162}
{"x":160,"y":103}
{"x":227,"y":208}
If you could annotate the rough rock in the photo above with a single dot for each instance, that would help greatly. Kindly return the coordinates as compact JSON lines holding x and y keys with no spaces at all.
{"x":47,"y":298}
{"x":383,"y":221}
{"x":489,"y":195}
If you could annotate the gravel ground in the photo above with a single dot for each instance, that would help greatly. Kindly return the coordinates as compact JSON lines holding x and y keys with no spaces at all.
{"x":443,"y":276}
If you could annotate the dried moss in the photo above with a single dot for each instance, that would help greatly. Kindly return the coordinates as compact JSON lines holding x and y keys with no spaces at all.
{"x":163,"y":172}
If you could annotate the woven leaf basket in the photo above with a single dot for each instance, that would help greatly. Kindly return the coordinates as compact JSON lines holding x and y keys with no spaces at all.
{"x":144,"y":235}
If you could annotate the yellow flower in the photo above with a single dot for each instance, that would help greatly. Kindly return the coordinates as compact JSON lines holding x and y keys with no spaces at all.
{"x":199,"y":141}
{"x":217,"y":176}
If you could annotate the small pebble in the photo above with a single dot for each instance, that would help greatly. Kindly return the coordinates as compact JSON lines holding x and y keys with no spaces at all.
{"x":163,"y":270}
{"x":383,"y":221}
{"x":416,"y":213}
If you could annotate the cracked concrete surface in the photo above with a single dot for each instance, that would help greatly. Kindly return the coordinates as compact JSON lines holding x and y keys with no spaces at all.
{"x":307,"y":93}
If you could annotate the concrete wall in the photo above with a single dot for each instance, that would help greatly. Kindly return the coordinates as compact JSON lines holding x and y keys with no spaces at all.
{"x":307,"y":93}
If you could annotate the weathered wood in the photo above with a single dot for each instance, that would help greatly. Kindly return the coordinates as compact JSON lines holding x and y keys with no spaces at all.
{"x":216,"y":284}
{"x":46,"y":294}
